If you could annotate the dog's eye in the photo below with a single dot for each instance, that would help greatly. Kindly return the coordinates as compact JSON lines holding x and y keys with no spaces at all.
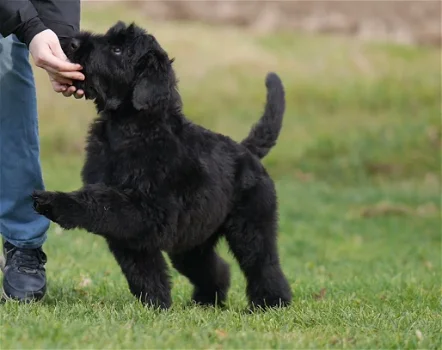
{"x":116,"y":50}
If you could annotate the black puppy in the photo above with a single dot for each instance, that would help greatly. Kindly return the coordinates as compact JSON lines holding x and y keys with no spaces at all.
{"x":154,"y":181}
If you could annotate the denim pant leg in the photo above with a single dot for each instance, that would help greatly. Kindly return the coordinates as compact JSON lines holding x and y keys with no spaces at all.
{"x":20,"y":171}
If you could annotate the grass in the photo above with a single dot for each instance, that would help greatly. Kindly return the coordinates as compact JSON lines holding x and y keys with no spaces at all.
{"x":357,"y":168}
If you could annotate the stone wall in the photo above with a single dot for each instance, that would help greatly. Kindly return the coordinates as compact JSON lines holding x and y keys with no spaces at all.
{"x":409,"y":22}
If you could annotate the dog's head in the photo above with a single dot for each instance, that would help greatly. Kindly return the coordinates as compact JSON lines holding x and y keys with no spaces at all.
{"x":126,"y":65}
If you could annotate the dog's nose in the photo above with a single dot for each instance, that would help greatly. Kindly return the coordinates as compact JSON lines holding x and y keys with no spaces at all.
{"x":75,"y":44}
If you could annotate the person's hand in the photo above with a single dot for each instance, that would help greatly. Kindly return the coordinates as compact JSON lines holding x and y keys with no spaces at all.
{"x":47,"y":53}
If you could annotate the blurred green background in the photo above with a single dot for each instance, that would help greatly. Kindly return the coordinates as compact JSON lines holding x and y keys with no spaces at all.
{"x":357,"y":167}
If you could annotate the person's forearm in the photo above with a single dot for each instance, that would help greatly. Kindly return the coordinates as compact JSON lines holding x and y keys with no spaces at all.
{"x":61,"y":16}
{"x":20,"y":17}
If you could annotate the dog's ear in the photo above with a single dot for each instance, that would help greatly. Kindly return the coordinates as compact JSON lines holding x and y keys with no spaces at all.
{"x":151,"y":89}
{"x":117,"y":27}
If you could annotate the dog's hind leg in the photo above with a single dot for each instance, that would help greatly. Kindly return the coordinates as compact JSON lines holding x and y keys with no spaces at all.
{"x":146,"y":274}
{"x":207,"y":271}
{"x":251,"y":231}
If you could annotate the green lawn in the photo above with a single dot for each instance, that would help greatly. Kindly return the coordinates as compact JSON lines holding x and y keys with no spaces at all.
{"x":357,"y":168}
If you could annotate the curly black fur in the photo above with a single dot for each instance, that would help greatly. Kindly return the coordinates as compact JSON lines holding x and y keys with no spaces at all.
{"x":154,"y":181}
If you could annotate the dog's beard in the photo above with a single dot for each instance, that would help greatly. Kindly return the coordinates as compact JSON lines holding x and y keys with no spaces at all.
{"x":90,"y":93}
{"x":99,"y":90}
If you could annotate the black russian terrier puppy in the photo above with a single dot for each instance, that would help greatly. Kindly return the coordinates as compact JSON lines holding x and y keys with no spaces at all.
{"x":154,"y":181}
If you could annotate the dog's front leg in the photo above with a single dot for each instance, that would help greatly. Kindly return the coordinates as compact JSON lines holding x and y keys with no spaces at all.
{"x":59,"y":207}
{"x":146,"y":273}
{"x":96,"y":208}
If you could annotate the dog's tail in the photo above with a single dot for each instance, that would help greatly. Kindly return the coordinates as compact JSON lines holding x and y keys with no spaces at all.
{"x":264,"y":134}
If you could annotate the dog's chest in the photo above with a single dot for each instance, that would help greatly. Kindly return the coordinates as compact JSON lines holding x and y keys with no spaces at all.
{"x":130,"y":156}
{"x":116,"y":139}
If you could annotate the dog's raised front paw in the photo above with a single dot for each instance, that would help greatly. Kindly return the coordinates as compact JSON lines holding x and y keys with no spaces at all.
{"x":57,"y":207}
{"x":43,"y":203}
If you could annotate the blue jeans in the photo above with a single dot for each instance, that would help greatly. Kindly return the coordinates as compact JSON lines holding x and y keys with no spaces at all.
{"x":20,"y":171}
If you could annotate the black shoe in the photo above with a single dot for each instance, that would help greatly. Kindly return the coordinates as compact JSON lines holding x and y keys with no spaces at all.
{"x":24,"y":273}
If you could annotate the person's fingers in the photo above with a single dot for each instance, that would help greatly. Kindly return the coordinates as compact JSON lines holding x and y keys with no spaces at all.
{"x":79,"y":94}
{"x":62,"y":80}
{"x":58,"y":87}
{"x":54,"y":65}
{"x":69,"y":91}
{"x":57,"y":50}
{"x":70,"y":75}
